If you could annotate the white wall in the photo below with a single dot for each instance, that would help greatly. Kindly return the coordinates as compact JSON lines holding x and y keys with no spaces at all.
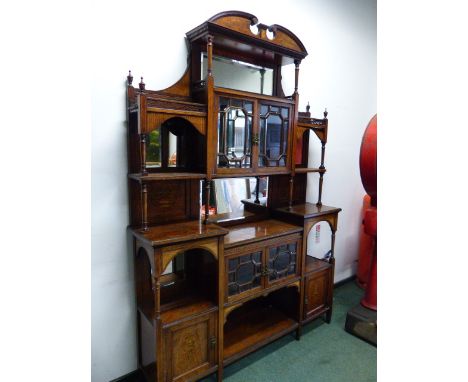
{"x":339,"y":73}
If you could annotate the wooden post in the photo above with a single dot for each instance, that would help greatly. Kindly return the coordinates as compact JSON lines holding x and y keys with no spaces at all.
{"x":144,"y":171}
{"x":291,"y":190}
{"x":296,"y":77}
{"x":144,"y":204}
{"x":210,"y":55}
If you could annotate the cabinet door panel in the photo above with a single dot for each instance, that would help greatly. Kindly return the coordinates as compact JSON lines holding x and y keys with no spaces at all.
{"x":243,"y":274}
{"x":190,"y":348}
{"x":273,"y":137}
{"x":282,"y":262}
{"x":234,"y":149}
{"x":316,"y":293}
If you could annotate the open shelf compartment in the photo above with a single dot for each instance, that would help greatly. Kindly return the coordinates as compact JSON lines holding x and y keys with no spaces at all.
{"x":258,"y":322}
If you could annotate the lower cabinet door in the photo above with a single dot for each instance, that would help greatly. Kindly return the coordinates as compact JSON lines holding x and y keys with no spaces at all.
{"x":282,"y":261}
{"x":243,"y":274}
{"x":190,"y":348}
{"x":316,"y":293}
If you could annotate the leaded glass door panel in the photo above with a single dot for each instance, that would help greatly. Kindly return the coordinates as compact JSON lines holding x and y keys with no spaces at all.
{"x":273,"y":135}
{"x":234,"y":148}
{"x":282,"y":262}
{"x":243,"y":274}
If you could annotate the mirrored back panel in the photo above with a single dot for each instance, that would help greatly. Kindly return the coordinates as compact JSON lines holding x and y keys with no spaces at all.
{"x":234,"y":74}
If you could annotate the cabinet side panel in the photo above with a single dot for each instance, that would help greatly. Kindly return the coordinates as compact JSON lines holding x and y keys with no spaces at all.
{"x":134,"y":198}
{"x":147,"y":342}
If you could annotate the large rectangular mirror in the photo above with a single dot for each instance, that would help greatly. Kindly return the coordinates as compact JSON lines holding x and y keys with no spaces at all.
{"x":234,"y":74}
{"x":230,"y":194}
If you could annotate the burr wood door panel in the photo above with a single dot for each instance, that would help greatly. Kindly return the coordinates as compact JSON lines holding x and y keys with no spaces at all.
{"x":316,"y":293}
{"x":190,"y":348}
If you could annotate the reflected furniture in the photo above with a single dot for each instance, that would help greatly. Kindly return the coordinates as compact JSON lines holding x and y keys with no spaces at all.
{"x":214,"y":287}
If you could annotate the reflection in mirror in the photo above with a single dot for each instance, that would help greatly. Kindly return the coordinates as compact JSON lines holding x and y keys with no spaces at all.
{"x":234,"y":133}
{"x":234,"y":74}
{"x":153,"y":149}
{"x":172,"y":153}
{"x":230,"y":192}
{"x":319,"y":240}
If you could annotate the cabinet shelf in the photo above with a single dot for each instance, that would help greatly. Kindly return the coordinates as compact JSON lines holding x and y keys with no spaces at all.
{"x":254,"y":327}
{"x":258,"y":231}
{"x":155,"y":176}
{"x":315,"y":265}
{"x":186,"y":308}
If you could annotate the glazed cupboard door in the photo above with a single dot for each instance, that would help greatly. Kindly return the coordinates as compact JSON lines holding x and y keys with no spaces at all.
{"x":316,"y":293}
{"x":234,"y":135}
{"x":282,"y":262}
{"x":190,"y":348}
{"x":244,"y":274}
{"x":274,"y":131}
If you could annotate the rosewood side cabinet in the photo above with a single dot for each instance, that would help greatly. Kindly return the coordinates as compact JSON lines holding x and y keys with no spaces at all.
{"x":220,"y":273}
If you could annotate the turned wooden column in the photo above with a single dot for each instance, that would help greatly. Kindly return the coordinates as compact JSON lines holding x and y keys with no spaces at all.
{"x":144,"y":207}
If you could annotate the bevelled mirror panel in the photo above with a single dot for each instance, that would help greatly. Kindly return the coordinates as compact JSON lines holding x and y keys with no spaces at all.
{"x":234,"y":74}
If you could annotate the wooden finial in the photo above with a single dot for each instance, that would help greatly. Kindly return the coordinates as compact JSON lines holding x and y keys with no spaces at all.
{"x":325,"y":113}
{"x":308,"y":107}
{"x":129,"y":77}
{"x":141,"y":84}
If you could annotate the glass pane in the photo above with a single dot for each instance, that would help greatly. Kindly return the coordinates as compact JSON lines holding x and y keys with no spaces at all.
{"x":234,"y":133}
{"x":153,"y":149}
{"x":234,"y":74}
{"x":244,"y":273}
{"x":274,"y":128}
{"x":282,"y":261}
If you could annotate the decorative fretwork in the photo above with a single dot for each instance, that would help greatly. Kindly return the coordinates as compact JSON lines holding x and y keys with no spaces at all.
{"x":282,"y":261}
{"x":274,"y":128}
{"x":234,"y":133}
{"x":244,"y":273}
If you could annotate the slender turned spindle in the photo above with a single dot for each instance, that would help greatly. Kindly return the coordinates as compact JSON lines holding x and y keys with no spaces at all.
{"x":296,"y":77}
{"x":257,"y":189}
{"x":144,"y":171}
{"x":322,"y":165}
{"x":291,"y":190}
{"x":144,"y":212}
{"x":319,"y":202}
{"x":210,"y":55}
{"x":129,"y":78}
{"x":207,"y":199}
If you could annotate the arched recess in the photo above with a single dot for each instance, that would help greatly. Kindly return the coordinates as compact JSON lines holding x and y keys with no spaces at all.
{"x":174,"y":142}
{"x":190,"y":273}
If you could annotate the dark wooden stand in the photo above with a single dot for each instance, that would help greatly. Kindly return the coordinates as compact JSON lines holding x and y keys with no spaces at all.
{"x":213,"y":289}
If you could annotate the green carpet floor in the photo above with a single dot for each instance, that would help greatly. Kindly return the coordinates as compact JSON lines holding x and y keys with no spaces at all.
{"x":325,"y":352}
